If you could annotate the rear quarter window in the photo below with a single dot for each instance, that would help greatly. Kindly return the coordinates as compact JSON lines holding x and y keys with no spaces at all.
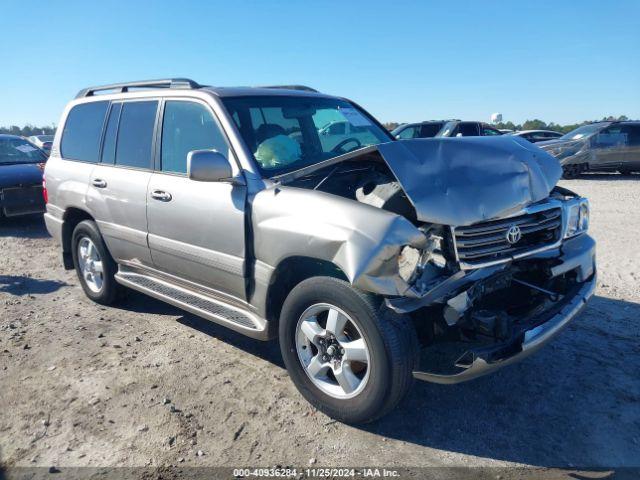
{"x":83,"y":131}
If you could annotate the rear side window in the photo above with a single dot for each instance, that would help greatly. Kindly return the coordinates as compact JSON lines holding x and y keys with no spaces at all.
{"x":188,"y":126}
{"x":135,"y":134}
{"x":82,"y":132}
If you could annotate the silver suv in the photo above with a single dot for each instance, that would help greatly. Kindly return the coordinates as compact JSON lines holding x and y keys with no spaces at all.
{"x":373,"y":261}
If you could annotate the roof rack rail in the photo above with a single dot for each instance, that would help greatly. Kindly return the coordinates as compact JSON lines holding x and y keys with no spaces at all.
{"x":124,"y":87}
{"x":292,"y":87}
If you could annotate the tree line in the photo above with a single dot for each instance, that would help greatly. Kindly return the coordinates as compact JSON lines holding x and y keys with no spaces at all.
{"x":28,"y":130}
{"x":536,"y":124}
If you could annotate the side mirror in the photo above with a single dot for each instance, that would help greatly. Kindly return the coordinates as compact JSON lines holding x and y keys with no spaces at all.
{"x":208,"y":166}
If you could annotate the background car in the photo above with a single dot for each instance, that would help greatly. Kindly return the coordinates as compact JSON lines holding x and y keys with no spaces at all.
{"x":21,"y":165}
{"x":339,"y":131}
{"x":535,"y":136}
{"x":458,"y":128}
{"x":444,"y":128}
{"x":426,"y":129}
{"x":43,"y":142}
{"x":600,"y":146}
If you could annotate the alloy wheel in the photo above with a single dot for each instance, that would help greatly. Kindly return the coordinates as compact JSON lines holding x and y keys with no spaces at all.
{"x":332,"y":351}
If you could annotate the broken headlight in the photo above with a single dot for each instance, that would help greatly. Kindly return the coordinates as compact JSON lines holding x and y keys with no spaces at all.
{"x":412,"y":262}
{"x":408,"y":262}
{"x":577,"y":218}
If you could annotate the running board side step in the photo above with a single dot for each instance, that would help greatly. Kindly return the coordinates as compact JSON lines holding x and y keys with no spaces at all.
{"x":205,"y":306}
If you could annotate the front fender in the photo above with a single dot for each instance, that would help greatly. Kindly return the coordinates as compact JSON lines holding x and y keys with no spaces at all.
{"x":363,"y":241}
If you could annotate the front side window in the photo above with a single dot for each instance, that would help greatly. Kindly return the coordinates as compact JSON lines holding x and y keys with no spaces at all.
{"x":135,"y":134}
{"x":288,"y":133}
{"x":15,"y":150}
{"x":612,"y":136}
{"x":188,"y":126}
{"x":82,"y":132}
{"x":407,"y":133}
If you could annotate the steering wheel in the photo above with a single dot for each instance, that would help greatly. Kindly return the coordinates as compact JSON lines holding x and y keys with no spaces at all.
{"x":339,"y":147}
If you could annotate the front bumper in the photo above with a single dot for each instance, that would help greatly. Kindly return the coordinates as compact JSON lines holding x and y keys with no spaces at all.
{"x":577,"y":254}
{"x":534,"y":339}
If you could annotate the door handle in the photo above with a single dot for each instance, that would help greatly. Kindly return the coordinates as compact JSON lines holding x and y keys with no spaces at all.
{"x":99,"y":183}
{"x":162,"y":196}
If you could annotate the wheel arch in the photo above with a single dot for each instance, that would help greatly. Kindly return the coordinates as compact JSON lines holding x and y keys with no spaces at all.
{"x":289,"y":273}
{"x":72,"y":217}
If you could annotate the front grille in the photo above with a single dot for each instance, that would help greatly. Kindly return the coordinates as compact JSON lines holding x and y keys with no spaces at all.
{"x":487,"y":241}
{"x":22,"y":200}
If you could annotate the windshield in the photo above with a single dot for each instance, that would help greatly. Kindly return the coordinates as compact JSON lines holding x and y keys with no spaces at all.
{"x":288,"y":133}
{"x":17,"y":150}
{"x":583,"y":131}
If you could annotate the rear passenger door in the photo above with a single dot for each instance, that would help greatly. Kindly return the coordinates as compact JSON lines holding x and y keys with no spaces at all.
{"x":117,"y":194}
{"x":196,"y":229}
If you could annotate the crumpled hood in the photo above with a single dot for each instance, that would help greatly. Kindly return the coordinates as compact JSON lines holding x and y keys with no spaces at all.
{"x":464,"y":180}
{"x":20,"y":174}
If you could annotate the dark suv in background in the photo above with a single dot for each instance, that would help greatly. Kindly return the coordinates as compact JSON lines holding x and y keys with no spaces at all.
{"x":444,"y":128}
{"x":600,"y":146}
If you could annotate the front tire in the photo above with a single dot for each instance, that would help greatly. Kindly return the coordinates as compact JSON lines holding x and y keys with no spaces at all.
{"x":346,"y":353}
{"x":574,"y":170}
{"x":94,"y":265}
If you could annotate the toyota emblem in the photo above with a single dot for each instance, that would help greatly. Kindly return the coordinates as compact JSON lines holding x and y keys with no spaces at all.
{"x":514,"y":234}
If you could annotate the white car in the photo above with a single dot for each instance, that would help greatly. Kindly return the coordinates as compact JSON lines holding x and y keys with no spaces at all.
{"x":43,"y":142}
{"x":340,"y":133}
{"x":535,"y":136}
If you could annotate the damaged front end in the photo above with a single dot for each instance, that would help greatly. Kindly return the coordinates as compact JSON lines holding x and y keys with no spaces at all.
{"x":496,"y":302}
{"x":491,"y":259}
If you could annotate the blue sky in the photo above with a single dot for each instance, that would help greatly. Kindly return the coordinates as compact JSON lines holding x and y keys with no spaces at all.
{"x":562,"y":61}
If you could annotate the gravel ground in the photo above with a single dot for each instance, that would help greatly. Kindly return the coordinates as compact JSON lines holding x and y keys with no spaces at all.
{"x":148,"y":384}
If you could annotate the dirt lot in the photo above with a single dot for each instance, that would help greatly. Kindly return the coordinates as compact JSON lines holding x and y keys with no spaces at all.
{"x":148,"y":384}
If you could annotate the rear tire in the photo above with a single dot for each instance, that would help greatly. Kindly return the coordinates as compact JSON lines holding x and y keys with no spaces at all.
{"x":94,"y":265}
{"x":380,"y":380}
